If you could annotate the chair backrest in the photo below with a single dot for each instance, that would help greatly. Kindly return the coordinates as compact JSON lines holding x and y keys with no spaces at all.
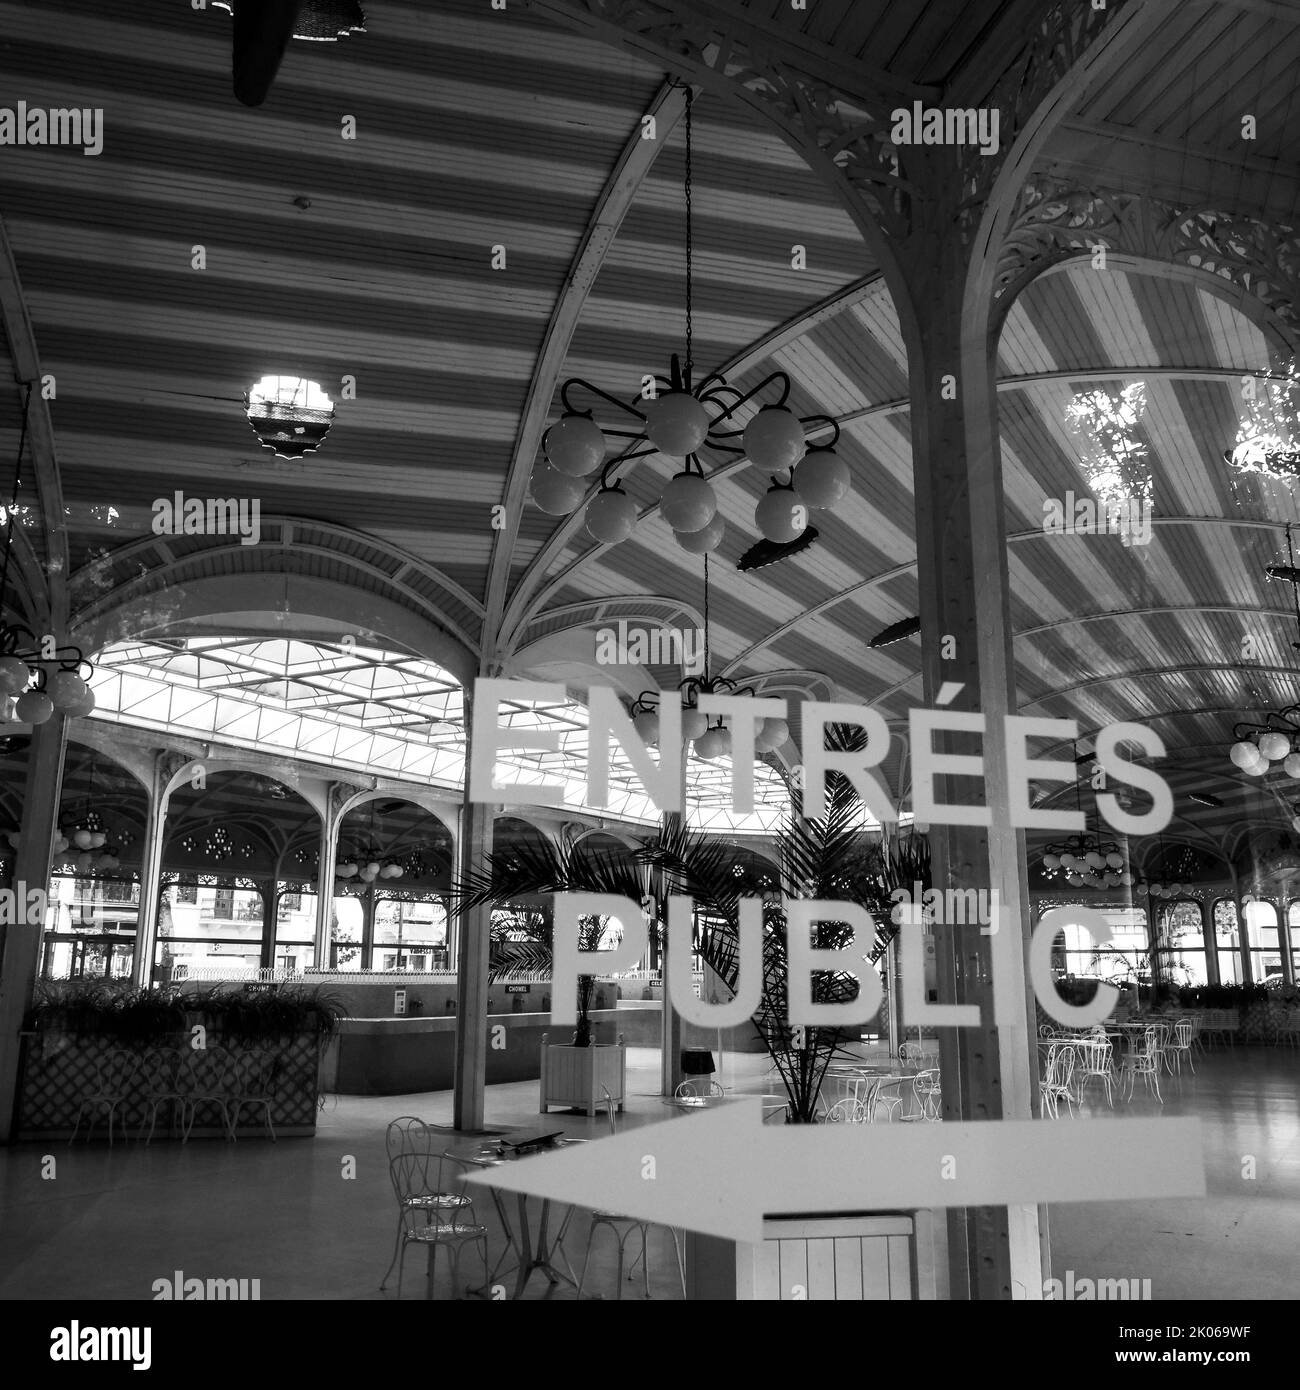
{"x":115,"y":1070}
{"x":412,"y":1174}
{"x":407,"y":1134}
{"x":160,"y":1070}
{"x":253,"y":1071}
{"x":1046,"y":1030}
{"x":1183,"y":1033}
{"x":1060,"y":1064}
{"x":685,"y":1091}
{"x":210,"y":1069}
{"x":1094,"y":1054}
{"x":846,"y":1112}
{"x":928,"y":1081}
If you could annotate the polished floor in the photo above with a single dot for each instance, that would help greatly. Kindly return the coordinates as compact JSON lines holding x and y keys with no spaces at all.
{"x":314,"y":1219}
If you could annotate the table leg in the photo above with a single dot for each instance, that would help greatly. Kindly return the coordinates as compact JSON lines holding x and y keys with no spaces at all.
{"x":525,"y":1248}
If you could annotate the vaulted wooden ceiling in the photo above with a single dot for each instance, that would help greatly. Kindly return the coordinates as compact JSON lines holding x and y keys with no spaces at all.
{"x":373,"y":258}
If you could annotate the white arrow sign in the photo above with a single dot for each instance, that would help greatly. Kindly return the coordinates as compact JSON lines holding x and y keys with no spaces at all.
{"x":721,"y":1170}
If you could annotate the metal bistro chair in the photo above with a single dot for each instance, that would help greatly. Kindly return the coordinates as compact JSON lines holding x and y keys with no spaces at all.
{"x":848,"y":1111}
{"x":1094,"y":1061}
{"x":114,"y":1073}
{"x":252,"y":1076}
{"x":1144,"y":1060}
{"x":410,"y":1173}
{"x":929,"y":1093}
{"x":409,"y":1134}
{"x":1179,"y":1045}
{"x":623,"y":1227}
{"x":1055,"y":1085}
{"x":211,"y":1083}
{"x":166,"y":1078}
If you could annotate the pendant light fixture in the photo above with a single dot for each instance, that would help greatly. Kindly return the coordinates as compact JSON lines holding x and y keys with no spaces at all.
{"x":710,"y":740}
{"x":1086,"y":860}
{"x":680,"y":417}
{"x":1257,"y":745}
{"x":37,"y":676}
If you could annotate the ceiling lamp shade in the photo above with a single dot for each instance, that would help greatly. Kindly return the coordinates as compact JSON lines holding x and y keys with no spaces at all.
{"x":1291,"y":764}
{"x":774,"y":438}
{"x":574,"y":445}
{"x":781,"y":514}
{"x":677,"y":423}
{"x":557,"y":494}
{"x":34,"y":707}
{"x":346,"y":869}
{"x":15,"y":675}
{"x":896,"y":632}
{"x":764,"y":553}
{"x":688,"y":503}
{"x":823,"y":478}
{"x":611,"y":515}
{"x":773,"y":734}
{"x":694,"y":723}
{"x":713,"y":743}
{"x":1274,"y":746}
{"x":702,"y":542}
{"x":647,"y":727}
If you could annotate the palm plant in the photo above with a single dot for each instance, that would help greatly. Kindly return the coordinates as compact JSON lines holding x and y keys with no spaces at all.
{"x":828,"y":859}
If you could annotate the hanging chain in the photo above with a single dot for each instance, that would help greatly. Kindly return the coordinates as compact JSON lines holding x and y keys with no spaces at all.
{"x":706,"y":615}
{"x":1295,"y":590}
{"x":690,"y":240}
{"x":13,"y":504}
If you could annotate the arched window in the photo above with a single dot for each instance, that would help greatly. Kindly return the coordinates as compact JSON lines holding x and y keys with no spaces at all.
{"x":1227,"y":942}
{"x":1262,"y":941}
{"x":1180,"y":942}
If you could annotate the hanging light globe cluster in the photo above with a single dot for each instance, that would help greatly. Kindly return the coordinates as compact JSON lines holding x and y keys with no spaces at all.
{"x":93,"y":853}
{"x":369,"y":866}
{"x":679,"y":422}
{"x":1259,"y":746}
{"x":32,"y":694}
{"x":1168,"y":890}
{"x":1087,"y":864}
{"x":707,"y":740}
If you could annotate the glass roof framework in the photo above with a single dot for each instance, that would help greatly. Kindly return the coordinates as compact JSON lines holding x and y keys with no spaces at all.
{"x":367,"y":710}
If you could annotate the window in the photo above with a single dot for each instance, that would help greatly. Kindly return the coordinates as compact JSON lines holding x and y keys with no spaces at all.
{"x":1263,"y":943}
{"x":1181,"y":944}
{"x":1124,"y":957}
{"x":223,"y":904}
{"x":1227,"y":940}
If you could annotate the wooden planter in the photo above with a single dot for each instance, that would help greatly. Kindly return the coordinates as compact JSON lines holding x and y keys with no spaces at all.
{"x":59,"y":1069}
{"x":578,"y":1076}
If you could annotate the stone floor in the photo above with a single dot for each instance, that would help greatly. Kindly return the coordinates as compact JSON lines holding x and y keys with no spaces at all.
{"x":109,"y":1223}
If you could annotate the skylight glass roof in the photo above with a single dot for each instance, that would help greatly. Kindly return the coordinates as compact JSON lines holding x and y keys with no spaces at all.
{"x":371,"y":711}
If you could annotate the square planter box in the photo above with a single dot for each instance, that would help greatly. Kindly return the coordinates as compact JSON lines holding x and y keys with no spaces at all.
{"x":574,"y":1076}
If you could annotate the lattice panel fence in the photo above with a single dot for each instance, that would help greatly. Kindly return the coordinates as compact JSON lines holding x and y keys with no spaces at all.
{"x":59,"y":1070}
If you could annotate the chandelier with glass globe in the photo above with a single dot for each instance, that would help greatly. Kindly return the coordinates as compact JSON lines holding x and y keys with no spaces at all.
{"x":38,"y":677}
{"x":681,"y":417}
{"x":708,"y":740}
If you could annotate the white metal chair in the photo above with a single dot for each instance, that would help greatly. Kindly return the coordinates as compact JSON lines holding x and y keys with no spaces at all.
{"x":164,"y":1075}
{"x":114,"y":1073}
{"x":1094,"y":1060}
{"x":209,"y":1083}
{"x":848,"y":1111}
{"x":622,"y":1228}
{"x":929,"y":1093}
{"x":691,"y":1090}
{"x":1177,"y":1046}
{"x":1055,"y":1085}
{"x":414,"y":1181}
{"x":252,"y":1080}
{"x":409,"y":1134}
{"x":1144,"y":1060}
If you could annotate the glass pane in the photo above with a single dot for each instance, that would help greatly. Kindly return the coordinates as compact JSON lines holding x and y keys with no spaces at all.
{"x":1179,"y":927}
{"x":349,"y":919}
{"x":1226,"y":927}
{"x":217,"y":914}
{"x":295,"y":919}
{"x":1230,"y":967}
{"x":1123,"y":957}
{"x":1184,"y":968}
{"x":1261,"y":924}
{"x":1266,"y":966}
{"x":405,"y":922}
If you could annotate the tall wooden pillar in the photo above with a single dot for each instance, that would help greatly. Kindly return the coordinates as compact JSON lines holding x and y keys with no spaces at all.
{"x":988,"y":1070}
{"x":473,"y":934}
{"x":21,"y":951}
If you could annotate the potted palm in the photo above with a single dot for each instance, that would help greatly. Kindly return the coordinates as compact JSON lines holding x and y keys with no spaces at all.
{"x":827,"y":858}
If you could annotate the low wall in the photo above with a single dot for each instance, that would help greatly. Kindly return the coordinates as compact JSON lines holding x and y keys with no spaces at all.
{"x":371,"y":997}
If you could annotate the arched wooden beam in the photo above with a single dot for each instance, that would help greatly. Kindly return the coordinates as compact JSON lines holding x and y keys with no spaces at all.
{"x":617,"y":196}
{"x":51,"y":590}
